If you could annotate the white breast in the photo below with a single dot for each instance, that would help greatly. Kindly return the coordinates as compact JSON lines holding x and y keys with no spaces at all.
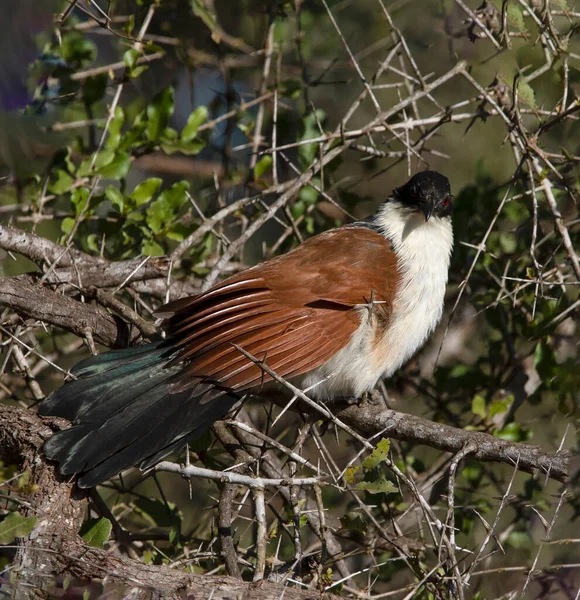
{"x":423,"y":250}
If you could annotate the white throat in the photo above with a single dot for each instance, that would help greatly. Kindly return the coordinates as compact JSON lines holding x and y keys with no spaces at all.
{"x":423,"y":251}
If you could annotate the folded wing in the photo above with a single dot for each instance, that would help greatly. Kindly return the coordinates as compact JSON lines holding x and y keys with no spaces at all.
{"x":293,"y":312}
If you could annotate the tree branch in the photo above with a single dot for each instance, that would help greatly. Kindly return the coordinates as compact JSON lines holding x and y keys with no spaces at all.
{"x":55,"y":547}
{"x":372,"y":419}
{"x":76,"y":266}
{"x":30,"y":300}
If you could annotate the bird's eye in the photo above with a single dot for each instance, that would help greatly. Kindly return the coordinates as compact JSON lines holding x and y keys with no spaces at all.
{"x":446,"y":201}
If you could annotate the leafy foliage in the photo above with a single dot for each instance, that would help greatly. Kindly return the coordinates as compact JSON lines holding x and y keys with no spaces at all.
{"x":14,"y":525}
{"x":96,"y":532}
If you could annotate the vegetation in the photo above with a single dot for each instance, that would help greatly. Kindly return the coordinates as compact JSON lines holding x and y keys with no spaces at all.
{"x":161,"y":145}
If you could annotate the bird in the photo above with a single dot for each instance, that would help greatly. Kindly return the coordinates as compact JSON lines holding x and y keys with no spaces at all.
{"x":332,"y":316}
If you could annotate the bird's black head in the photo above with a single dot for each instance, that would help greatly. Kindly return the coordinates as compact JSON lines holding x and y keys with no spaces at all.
{"x":428,"y":192}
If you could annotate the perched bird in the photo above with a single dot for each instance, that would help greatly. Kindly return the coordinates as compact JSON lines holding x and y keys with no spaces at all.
{"x":334,"y":315}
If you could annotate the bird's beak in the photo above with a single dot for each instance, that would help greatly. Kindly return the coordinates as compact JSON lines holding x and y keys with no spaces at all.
{"x":427,"y":209}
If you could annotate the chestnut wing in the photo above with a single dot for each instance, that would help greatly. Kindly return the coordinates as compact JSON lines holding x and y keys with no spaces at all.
{"x":293,"y":312}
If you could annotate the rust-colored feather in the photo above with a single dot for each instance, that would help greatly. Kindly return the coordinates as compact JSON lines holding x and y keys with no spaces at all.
{"x":295,"y":312}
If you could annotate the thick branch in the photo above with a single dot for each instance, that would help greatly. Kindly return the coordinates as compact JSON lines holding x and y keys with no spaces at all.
{"x":38,"y":249}
{"x":111,"y":273}
{"x":372,"y":419}
{"x":83,"y":270}
{"x":54,"y":547}
{"x":31,"y":300}
{"x":76,"y":266}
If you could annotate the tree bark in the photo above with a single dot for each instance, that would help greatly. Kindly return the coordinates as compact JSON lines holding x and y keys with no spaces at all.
{"x":372,"y":419}
{"x":54,"y":549}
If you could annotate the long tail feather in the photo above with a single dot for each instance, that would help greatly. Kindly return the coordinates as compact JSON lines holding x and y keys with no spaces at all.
{"x":125,"y":412}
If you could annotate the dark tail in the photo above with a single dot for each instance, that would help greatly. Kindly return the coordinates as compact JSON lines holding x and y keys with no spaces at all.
{"x":124,"y":413}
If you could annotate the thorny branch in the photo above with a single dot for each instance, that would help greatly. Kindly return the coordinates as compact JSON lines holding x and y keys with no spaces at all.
{"x":111,"y":302}
{"x":56,"y":546}
{"x":400,"y":426}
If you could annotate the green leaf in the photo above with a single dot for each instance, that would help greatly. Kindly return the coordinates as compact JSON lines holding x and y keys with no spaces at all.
{"x":103,"y":158}
{"x":350,"y":473}
{"x":307,"y":152}
{"x":308,"y":194}
{"x":195,"y":120}
{"x":163,"y":210}
{"x":498,"y":407}
{"x":378,"y":455}
{"x":380,"y":486}
{"x":118,"y":167}
{"x":516,"y":18}
{"x":519,"y":539}
{"x":116,"y":198}
{"x":263,"y":166}
{"x":190,"y":148}
{"x":545,"y":360}
{"x":70,"y":165}
{"x":508,"y":242}
{"x":93,"y":243}
{"x":130,"y":58}
{"x":173,"y":535}
{"x":247,"y":128}
{"x":134,"y":136}
{"x":138,"y":71}
{"x":171,"y":143}
{"x":151,"y":47}
{"x":158,"y":113}
{"x":96,"y":531}
{"x":177,"y":232}
{"x":169,"y":135}
{"x":513,"y":432}
{"x":206,"y":13}
{"x":526,"y":94}
{"x":298,"y":209}
{"x":62,"y":184}
{"x":135,"y":216}
{"x":129,"y":25}
{"x":67,"y":225}
{"x":115,"y":127}
{"x":79,"y":199}
{"x":14,"y":525}
{"x":145,"y":190}
{"x":150,"y":247}
{"x":472,"y":471}
{"x":84,"y":168}
{"x":478,"y":406}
